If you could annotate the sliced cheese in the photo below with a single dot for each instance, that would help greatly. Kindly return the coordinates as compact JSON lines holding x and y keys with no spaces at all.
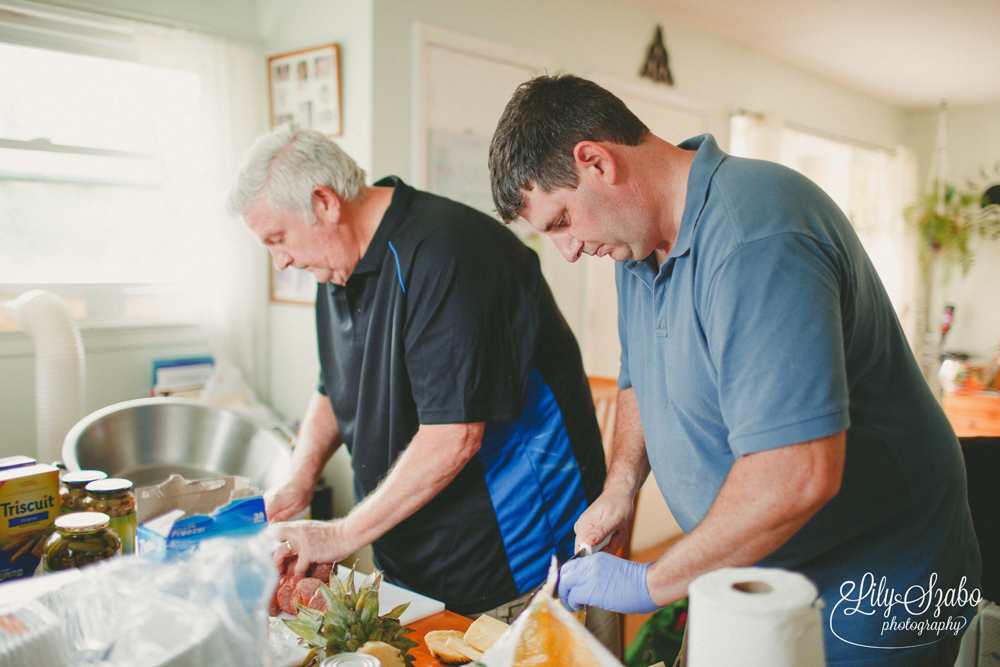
{"x":484,"y":632}
{"x":460,"y":647}
{"x":658,"y":664}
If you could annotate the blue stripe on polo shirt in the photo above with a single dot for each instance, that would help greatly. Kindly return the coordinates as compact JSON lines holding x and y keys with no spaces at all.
{"x":534,"y":483}
{"x":399,"y":269}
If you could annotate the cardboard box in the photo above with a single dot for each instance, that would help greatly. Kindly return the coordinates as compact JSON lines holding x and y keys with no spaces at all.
{"x":16,"y":462}
{"x":29,"y":504}
{"x":178,"y":514}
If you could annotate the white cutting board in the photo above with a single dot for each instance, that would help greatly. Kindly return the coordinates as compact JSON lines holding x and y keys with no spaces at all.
{"x":390,"y":596}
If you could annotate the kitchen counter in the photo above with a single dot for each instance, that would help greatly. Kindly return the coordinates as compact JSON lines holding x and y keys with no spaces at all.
{"x":973,"y":413}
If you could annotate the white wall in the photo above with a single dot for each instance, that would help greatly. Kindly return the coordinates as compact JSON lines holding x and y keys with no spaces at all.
{"x":591,"y":38}
{"x":973,"y":145}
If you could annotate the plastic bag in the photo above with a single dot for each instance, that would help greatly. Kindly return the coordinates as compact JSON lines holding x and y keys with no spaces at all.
{"x":206,"y":608}
{"x":547,"y":634}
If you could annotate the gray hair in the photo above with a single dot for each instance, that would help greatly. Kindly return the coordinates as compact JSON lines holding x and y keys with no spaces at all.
{"x":285,"y":164}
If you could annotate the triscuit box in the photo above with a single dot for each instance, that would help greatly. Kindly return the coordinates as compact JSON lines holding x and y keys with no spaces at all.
{"x":176,"y":515}
{"x":29,"y":504}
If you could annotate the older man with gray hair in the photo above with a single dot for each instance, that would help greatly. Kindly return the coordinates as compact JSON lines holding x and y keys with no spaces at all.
{"x":446,"y":369}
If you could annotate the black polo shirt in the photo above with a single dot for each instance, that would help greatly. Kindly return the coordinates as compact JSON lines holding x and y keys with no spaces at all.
{"x":447,"y":319}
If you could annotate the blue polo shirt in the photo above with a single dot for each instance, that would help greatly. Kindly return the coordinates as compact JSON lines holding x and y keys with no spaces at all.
{"x":768,"y":326}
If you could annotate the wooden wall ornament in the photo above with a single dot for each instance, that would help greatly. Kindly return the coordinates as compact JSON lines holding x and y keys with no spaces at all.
{"x":657,"y":65}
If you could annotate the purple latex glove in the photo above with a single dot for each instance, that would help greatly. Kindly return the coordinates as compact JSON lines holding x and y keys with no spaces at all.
{"x":605,"y":581}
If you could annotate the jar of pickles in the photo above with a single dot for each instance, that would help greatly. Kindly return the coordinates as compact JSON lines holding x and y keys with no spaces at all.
{"x":113,"y":496}
{"x":72,"y":494}
{"x":80,"y":538}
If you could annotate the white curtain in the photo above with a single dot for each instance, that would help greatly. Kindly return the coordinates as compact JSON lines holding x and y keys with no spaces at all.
{"x":226,"y":270}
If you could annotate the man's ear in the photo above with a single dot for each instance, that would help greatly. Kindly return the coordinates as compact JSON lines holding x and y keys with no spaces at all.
{"x":594,"y":159}
{"x":326,"y":204}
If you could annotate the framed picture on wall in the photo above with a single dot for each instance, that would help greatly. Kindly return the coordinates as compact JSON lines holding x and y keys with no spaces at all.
{"x":305,"y":89}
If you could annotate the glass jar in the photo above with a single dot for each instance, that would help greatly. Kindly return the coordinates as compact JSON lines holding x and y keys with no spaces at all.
{"x":114,"y":497}
{"x":72,"y":493}
{"x":80,"y":538}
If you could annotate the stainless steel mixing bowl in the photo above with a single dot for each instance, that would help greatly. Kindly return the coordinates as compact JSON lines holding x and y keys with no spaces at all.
{"x":148,"y":439}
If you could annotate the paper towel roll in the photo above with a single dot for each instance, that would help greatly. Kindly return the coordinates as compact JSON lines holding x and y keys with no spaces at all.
{"x":752,"y":617}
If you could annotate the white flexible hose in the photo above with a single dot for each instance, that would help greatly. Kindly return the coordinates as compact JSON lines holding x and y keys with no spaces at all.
{"x":59,"y":367}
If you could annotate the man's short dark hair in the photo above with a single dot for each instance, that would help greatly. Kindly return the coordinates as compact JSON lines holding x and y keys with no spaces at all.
{"x":542,"y":124}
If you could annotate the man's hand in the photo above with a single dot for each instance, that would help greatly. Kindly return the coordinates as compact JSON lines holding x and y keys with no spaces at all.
{"x":288,"y":500}
{"x":605,"y":581}
{"x":312,"y":542}
{"x":610,"y":513}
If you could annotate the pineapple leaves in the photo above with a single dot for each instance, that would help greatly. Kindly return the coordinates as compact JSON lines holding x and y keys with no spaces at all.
{"x":307,"y":631}
{"x":398,"y":610}
{"x":334,"y":603}
{"x":336,"y":585}
{"x":351,"y":619}
{"x":308,"y":614}
{"x":351,"y":591}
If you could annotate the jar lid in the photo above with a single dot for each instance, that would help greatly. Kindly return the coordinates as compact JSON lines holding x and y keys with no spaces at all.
{"x":82,"y":522}
{"x":80,"y":478}
{"x":109,"y":487}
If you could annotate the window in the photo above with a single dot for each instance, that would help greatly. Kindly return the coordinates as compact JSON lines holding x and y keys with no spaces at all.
{"x":84,"y":205}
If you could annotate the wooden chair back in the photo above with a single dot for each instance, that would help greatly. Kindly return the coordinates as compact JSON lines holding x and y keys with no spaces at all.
{"x":605,"y":393}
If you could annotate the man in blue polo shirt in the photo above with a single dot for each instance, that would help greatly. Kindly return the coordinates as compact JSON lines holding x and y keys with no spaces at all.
{"x":446,"y":369}
{"x":764,"y":379}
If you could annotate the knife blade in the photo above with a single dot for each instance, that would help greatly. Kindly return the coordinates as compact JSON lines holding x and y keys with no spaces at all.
{"x":583,"y":550}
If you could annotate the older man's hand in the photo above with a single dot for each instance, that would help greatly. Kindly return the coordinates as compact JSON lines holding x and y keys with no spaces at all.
{"x":287,"y":501}
{"x":312,"y":542}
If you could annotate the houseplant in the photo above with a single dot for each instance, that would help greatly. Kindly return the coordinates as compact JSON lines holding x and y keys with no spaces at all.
{"x":947,"y":219}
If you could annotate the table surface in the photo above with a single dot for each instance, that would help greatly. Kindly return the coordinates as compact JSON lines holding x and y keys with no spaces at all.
{"x":445,"y":620}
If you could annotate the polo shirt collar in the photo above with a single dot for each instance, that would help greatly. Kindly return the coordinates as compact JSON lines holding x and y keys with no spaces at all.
{"x":706,"y":160}
{"x":402,"y":194}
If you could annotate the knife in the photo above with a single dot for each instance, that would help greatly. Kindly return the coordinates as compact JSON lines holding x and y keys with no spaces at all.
{"x":584,"y":550}
{"x":587,"y":550}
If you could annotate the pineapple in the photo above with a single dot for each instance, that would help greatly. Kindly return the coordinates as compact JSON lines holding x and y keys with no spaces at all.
{"x":351,"y":622}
